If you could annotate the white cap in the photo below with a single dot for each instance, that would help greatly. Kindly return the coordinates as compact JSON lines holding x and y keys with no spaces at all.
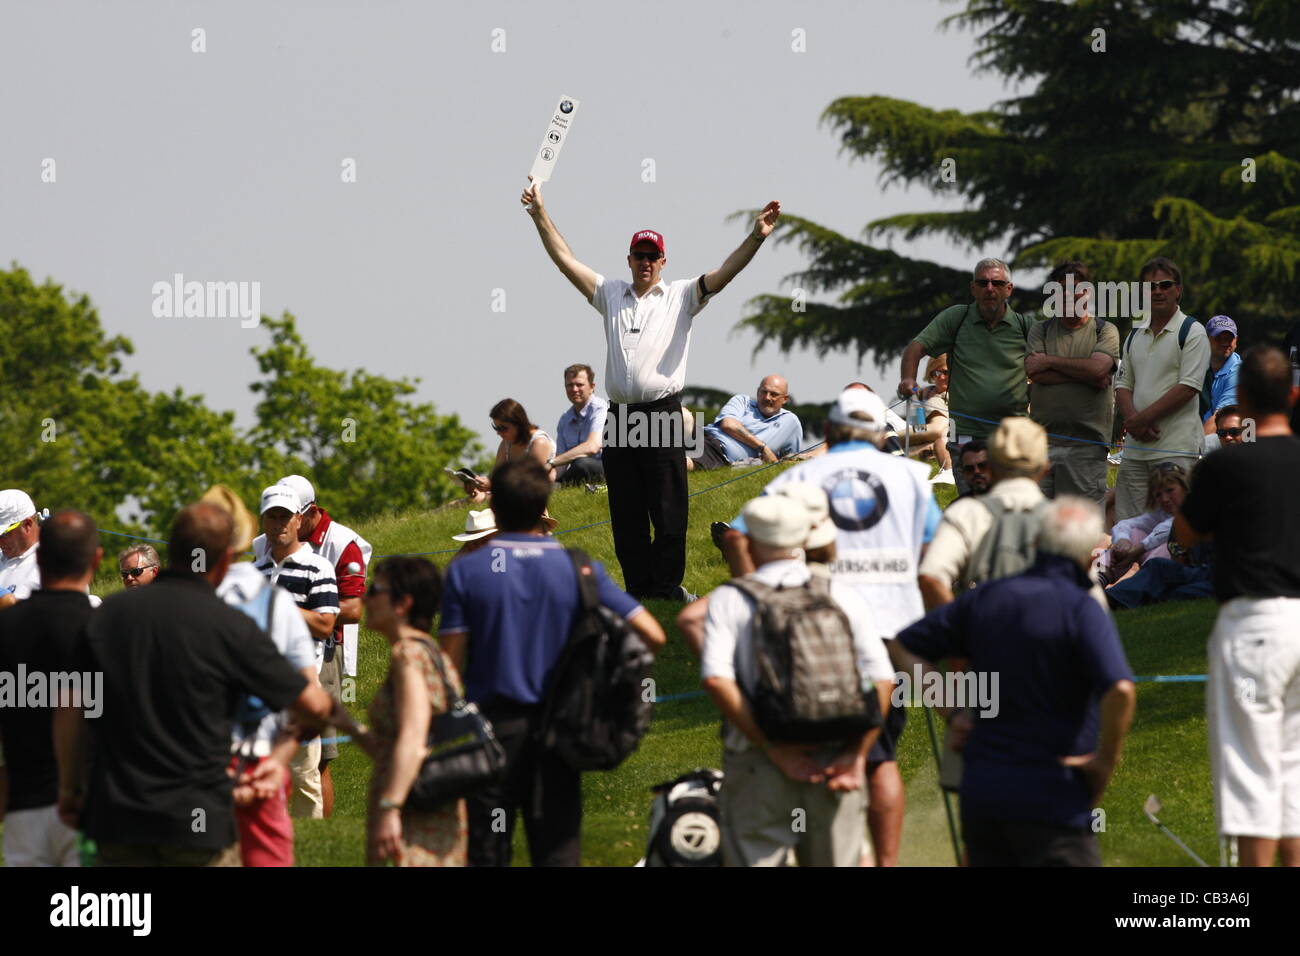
{"x":776,"y":521}
{"x":478,"y":524}
{"x":280,"y":496}
{"x":306,"y":493}
{"x":863,"y":402}
{"x":813,"y":498}
{"x":15,"y":507}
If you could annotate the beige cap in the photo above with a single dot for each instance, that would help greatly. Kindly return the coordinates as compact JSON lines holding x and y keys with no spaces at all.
{"x":814,"y":499}
{"x":1018,"y":443}
{"x":777,"y":521}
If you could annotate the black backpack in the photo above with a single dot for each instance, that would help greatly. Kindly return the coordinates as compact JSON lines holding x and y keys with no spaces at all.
{"x":595,"y":708}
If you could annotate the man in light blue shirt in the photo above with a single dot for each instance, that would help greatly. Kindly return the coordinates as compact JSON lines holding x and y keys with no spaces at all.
{"x":579,"y":433}
{"x":1221,"y":377}
{"x":752,"y":427}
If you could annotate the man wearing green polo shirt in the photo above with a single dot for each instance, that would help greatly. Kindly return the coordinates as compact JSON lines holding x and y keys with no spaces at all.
{"x":1071,"y":359}
{"x":1160,"y":377}
{"x":985,"y":342}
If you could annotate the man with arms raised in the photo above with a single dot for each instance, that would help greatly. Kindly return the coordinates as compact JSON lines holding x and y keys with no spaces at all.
{"x":647,"y":325}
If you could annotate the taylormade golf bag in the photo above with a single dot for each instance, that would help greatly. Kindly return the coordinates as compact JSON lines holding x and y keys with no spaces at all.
{"x":685,"y":823}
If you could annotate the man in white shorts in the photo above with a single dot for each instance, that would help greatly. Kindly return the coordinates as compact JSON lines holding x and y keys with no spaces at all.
{"x":1243,"y":499}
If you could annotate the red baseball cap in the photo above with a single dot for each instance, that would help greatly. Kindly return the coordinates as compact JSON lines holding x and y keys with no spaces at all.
{"x":648,"y":235}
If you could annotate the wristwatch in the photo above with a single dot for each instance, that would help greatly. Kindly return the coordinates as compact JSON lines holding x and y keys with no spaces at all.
{"x":386,"y":804}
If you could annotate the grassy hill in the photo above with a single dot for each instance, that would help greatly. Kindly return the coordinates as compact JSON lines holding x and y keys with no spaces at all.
{"x":1165,"y":754}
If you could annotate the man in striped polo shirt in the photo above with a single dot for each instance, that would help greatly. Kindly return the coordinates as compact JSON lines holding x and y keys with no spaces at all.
{"x":348,"y":554}
{"x":309,"y":578}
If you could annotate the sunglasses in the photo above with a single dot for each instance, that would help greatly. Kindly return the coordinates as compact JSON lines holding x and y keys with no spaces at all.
{"x":1163,"y":284}
{"x":499,"y":428}
{"x":647,"y":256}
{"x":978,"y":466}
{"x":1228,"y":432}
{"x":996,"y":283}
{"x":377,"y":588}
{"x":136,"y":572}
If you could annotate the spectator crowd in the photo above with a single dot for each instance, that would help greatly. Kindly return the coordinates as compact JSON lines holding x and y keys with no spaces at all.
{"x":212,"y":689}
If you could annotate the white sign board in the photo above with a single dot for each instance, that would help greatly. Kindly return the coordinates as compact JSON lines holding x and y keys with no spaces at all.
{"x":557,"y":131}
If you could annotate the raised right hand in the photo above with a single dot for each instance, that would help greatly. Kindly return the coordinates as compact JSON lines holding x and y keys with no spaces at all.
{"x":532,"y":199}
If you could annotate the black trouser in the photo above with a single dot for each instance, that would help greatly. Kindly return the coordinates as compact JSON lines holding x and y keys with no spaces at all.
{"x":647,"y":484}
{"x":552,"y":824}
{"x":1022,"y":843}
{"x":581,"y":470}
{"x":712,"y":455}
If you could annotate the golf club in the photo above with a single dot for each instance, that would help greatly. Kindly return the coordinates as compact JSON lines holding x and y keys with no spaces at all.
{"x":1154,"y":806}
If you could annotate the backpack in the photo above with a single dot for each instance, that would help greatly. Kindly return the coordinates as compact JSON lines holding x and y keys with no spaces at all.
{"x":809,"y":689}
{"x":250,"y":709}
{"x":1204,"y":397}
{"x":686,"y":821}
{"x":594,"y":708}
{"x":1009,"y":546}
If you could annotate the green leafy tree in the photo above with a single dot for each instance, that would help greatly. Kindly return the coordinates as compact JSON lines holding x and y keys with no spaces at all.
{"x":64,"y":401}
{"x":1150,"y":127}
{"x":366,"y":447}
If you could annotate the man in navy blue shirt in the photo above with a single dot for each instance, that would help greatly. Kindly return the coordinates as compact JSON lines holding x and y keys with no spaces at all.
{"x":507,"y":611}
{"x":1036,"y":761}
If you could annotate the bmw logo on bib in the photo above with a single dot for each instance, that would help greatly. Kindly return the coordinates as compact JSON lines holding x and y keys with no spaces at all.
{"x":858,"y":499}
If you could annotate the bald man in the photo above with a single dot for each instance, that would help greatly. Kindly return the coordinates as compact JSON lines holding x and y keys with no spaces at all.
{"x":752,"y":426}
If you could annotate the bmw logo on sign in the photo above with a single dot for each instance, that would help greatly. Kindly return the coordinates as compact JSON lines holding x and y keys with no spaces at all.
{"x":566,"y":106}
{"x":858,"y":499}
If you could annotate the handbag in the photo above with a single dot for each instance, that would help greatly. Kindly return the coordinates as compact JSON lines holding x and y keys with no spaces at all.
{"x":462,"y":754}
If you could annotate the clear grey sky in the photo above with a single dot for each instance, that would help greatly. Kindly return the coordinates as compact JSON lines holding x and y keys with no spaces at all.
{"x":225,"y":165}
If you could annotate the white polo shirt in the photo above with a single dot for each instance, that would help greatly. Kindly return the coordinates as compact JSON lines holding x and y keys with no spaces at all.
{"x":20,"y":574}
{"x":1153,"y":364}
{"x":647,"y":338}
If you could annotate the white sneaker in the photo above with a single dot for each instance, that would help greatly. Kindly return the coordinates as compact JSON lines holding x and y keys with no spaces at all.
{"x":943,"y":478}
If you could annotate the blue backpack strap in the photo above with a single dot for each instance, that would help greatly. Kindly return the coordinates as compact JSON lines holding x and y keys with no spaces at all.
{"x":260,"y":607}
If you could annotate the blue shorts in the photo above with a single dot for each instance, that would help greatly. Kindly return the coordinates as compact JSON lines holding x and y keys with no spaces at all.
{"x":885,"y":748}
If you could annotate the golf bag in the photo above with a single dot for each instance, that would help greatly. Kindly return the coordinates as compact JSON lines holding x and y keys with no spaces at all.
{"x":685,"y":821}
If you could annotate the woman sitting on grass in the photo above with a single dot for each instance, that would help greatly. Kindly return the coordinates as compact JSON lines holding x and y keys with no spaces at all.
{"x":401,"y":603}
{"x":519,"y":437}
{"x":1134,"y":541}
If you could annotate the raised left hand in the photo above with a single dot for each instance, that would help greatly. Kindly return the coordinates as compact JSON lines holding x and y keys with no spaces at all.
{"x":766,"y":221}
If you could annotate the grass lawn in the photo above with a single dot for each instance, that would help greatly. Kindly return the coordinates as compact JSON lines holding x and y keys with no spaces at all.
{"x":1165,"y":753}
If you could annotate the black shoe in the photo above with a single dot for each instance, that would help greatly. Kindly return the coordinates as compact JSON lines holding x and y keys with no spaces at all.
{"x":717,"y":530}
{"x":683,"y":595}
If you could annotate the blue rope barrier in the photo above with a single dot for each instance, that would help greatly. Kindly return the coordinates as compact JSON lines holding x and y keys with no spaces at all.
{"x":1085,"y":441}
{"x":1174,"y":679}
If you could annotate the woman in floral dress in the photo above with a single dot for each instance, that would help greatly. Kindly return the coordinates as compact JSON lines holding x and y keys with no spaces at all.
{"x":401,"y":603}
